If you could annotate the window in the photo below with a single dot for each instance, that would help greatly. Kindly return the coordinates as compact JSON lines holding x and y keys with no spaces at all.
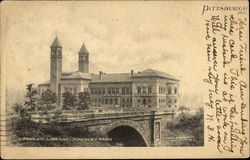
{"x":138,"y":89}
{"x":123,"y":90}
{"x":109,"y":90}
{"x":149,"y":100}
{"x":111,"y":101}
{"x":149,"y":89}
{"x":123,"y":100}
{"x":175,"y":90}
{"x":95,"y":91}
{"x":106,"y":101}
{"x":59,"y":53}
{"x":127,"y":100}
{"x":99,"y":90}
{"x":127,"y":90}
{"x":138,"y":100}
{"x":113,"y":90}
{"x":85,"y":89}
{"x":169,"y":90}
{"x":175,"y":100}
{"x":75,"y":90}
{"x":103,"y":91}
{"x":116,"y":101}
{"x":143,"y":89}
{"x":117,"y":91}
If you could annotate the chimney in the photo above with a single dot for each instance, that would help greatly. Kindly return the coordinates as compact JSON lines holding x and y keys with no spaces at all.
{"x":100,"y":74}
{"x":132,"y":72}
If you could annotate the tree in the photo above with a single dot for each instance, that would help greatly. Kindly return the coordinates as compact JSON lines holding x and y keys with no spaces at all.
{"x":183,"y":110}
{"x":69,"y":100}
{"x":31,"y":97}
{"x":84,"y":98}
{"x":48,"y":98}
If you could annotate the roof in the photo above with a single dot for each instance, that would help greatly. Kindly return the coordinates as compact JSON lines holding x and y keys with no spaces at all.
{"x":153,"y":73}
{"x":76,"y":75}
{"x":56,"y":43}
{"x":83,"y":49}
{"x":113,"y":77}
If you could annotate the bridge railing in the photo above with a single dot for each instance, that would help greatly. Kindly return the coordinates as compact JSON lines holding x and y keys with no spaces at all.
{"x":81,"y":116}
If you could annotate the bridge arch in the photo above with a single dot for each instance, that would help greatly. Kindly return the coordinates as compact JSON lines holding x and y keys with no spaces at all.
{"x":127,"y":123}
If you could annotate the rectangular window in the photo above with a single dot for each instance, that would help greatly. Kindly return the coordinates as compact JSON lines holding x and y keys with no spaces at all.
{"x":99,"y":91}
{"x":143,"y":89}
{"x":123,"y":90}
{"x":149,"y":89}
{"x":127,"y":90}
{"x":139,"y":90}
{"x":103,"y":91}
{"x":113,"y":90}
{"x":117,"y":91}
{"x":75,"y":90}
{"x":169,"y":90}
{"x":109,"y":90}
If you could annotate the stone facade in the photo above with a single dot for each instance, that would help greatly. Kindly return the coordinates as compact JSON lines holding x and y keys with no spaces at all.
{"x":149,"y":88}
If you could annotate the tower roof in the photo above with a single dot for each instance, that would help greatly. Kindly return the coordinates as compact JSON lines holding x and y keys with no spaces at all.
{"x":83,"y":49}
{"x":56,"y":43}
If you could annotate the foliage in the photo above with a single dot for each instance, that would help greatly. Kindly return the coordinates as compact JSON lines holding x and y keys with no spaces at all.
{"x":31,"y":97}
{"x":69,"y":100}
{"x":186,"y":125}
{"x":48,"y":98}
{"x":183,"y":110}
{"x":84,"y":98}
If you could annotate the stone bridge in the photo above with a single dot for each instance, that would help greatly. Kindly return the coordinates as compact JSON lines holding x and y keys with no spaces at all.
{"x":134,"y":129}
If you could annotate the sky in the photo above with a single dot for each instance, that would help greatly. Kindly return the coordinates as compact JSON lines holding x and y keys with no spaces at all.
{"x":165,"y":36}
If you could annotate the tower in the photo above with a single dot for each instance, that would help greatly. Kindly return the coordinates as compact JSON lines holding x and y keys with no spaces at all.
{"x":83,"y":60}
{"x":55,"y":66}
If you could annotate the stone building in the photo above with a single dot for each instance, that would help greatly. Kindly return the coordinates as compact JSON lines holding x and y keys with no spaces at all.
{"x":148,"y":88}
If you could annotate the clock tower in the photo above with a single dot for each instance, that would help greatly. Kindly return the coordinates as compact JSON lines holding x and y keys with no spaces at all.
{"x":83,"y":60}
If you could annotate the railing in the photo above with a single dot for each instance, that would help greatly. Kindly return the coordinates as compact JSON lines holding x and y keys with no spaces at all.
{"x":67,"y":116}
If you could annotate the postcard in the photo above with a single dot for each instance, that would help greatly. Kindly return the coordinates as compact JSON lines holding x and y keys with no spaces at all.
{"x":124,"y":79}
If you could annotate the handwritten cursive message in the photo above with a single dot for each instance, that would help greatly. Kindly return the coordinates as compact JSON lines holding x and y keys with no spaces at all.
{"x":226,"y":79}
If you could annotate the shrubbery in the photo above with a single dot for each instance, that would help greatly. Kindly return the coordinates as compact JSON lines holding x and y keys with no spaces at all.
{"x":186,"y":125}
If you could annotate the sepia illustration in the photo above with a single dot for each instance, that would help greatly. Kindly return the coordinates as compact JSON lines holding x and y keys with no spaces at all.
{"x":106,"y":109}
{"x":112,"y":79}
